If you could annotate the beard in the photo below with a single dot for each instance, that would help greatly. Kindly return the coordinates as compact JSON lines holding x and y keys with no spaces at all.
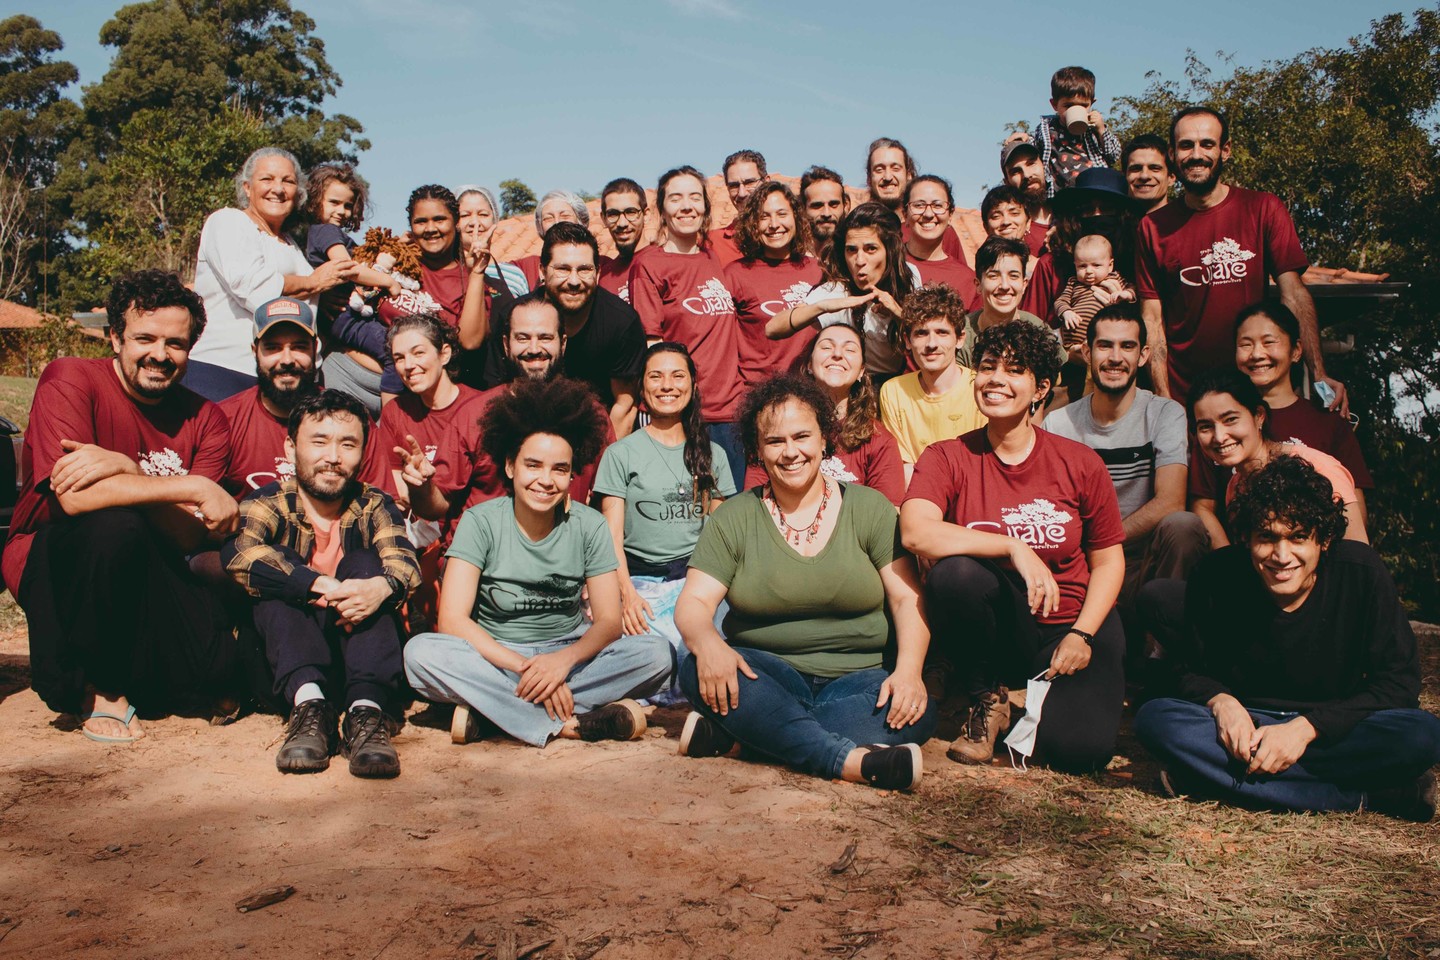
{"x":1115,"y":391}
{"x":285,"y":399}
{"x":146,"y":390}
{"x":325,"y":487}
{"x":517,"y":372}
{"x":1202,"y":188}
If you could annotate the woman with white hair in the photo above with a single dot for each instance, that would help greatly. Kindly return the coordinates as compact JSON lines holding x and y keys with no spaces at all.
{"x":555,"y":206}
{"x":478,"y":216}
{"x":246,"y":259}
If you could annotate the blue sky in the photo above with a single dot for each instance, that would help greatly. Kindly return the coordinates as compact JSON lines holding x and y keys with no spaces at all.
{"x":569,"y":93}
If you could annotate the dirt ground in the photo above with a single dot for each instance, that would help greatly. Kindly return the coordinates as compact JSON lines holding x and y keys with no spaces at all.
{"x":498,"y":850}
{"x":609,"y":850}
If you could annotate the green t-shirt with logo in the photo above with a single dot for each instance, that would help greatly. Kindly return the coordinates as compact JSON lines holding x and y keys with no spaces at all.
{"x":530,"y":592}
{"x":824,"y":615}
{"x":662,"y":519}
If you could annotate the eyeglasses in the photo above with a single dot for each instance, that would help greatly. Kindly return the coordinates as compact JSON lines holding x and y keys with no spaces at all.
{"x":920,"y":206}
{"x":735,"y":186}
{"x":632,"y":214}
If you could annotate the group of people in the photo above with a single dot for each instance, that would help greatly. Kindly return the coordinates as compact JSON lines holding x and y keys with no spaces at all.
{"x":812,"y":472}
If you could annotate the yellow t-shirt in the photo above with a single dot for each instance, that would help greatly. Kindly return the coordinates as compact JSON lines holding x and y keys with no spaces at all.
{"x":918,"y":420}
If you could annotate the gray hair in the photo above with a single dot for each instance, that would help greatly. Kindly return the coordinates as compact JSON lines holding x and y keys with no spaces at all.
{"x":582,"y":212}
{"x":247,"y":170}
{"x":462,"y":192}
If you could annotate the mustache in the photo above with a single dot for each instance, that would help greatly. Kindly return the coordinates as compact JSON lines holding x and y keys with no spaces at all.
{"x":534,"y":355}
{"x":161,"y":366}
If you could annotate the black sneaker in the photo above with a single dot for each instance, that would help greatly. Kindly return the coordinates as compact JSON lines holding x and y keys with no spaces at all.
{"x":1413,"y":801}
{"x":892,"y":768}
{"x":367,"y":743}
{"x":309,"y":739}
{"x":621,"y":720}
{"x":703,"y":737}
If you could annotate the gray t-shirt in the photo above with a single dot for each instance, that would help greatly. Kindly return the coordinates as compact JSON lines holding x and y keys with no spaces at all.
{"x":662,"y":519}
{"x":1151,"y":434}
{"x":530,"y":592}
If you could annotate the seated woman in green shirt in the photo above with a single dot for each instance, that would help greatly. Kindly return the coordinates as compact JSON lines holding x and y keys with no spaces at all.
{"x":658,"y":485}
{"x":808,"y":566}
{"x":514,"y":644}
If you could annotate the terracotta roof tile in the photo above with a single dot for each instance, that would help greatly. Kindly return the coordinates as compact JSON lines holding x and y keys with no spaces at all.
{"x":17,"y":316}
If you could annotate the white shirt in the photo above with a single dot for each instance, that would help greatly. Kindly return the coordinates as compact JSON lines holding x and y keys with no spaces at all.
{"x":240,"y":267}
{"x":880,"y":355}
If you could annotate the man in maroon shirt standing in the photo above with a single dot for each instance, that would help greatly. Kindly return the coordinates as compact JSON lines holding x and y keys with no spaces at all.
{"x":622,"y":207}
{"x":889,"y":168}
{"x":1203,"y":260}
{"x":744,"y":171}
{"x":122,"y":468}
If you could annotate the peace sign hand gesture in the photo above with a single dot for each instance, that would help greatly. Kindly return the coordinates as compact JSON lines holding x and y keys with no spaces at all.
{"x":415,"y":468}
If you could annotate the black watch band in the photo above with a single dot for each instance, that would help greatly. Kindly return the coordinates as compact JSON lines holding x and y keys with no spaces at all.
{"x":1089,"y":638}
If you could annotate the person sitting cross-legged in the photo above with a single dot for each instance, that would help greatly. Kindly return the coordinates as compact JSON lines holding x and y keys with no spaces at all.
{"x":514,"y":644}
{"x":1299,"y":677}
{"x":327,"y":561}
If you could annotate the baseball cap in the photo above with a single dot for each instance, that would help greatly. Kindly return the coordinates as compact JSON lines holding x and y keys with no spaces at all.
{"x":1010,"y":149}
{"x":284,"y":310}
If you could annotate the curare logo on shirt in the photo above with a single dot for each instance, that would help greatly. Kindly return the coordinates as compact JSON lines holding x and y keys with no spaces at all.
{"x":791,"y":296}
{"x":713,"y":299}
{"x":162,"y":463}
{"x":674,"y":506}
{"x":624,"y":292}
{"x":1039,"y":524}
{"x":1224,"y":262}
{"x":283,"y":468}
{"x":835,"y":469}
{"x":415,"y":301}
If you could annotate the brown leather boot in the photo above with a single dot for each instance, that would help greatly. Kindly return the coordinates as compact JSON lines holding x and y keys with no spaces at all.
{"x":989,"y":714}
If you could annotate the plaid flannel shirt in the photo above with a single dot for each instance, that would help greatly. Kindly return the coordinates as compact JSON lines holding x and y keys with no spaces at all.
{"x":273,"y":517}
{"x":1051,"y":137}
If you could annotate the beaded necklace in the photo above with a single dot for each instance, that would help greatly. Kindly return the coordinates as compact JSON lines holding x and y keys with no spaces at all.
{"x":791,"y":533}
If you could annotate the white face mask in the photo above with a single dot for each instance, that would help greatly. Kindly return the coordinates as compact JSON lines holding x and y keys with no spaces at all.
{"x":1021,"y":738}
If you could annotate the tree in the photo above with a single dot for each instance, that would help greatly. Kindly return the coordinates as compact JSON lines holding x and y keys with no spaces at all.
{"x":516,"y":199}
{"x":36,"y":122}
{"x":1347,"y":138}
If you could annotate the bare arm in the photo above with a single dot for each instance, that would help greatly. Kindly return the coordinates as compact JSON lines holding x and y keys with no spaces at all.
{"x":1159,"y":351}
{"x":474,"y":323}
{"x":1204,"y":508}
{"x":1169,"y":498}
{"x":1294,"y":295}
{"x":1355,"y":520}
{"x":622,"y":411}
{"x":329,"y":274}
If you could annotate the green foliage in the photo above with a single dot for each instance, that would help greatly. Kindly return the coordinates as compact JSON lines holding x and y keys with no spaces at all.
{"x":1347,"y":138}
{"x":516,"y":199}
{"x":36,"y":123}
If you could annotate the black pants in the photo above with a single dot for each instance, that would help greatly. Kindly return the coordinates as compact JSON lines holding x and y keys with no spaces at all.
{"x":113,"y":605}
{"x":981,"y":622}
{"x":305,"y":644}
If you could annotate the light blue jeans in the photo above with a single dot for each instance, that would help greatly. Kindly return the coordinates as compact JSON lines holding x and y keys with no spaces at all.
{"x":446,"y":669}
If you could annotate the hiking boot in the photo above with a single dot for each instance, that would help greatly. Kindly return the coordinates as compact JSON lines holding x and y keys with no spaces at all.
{"x":621,"y":720}
{"x":1413,"y":801}
{"x":309,"y":738}
{"x":366,"y":742}
{"x":892,"y":768}
{"x":989,"y":714}
{"x":703,"y":737}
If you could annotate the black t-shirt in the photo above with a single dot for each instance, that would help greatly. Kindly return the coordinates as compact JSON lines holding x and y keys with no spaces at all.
{"x":611,"y":346}
{"x":1347,"y":652}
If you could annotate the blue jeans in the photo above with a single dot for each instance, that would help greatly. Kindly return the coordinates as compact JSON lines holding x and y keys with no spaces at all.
{"x":1387,"y":748}
{"x":806,"y":722}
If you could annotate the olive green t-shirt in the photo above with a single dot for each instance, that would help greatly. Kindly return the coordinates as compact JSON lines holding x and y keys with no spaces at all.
{"x":824,"y":615}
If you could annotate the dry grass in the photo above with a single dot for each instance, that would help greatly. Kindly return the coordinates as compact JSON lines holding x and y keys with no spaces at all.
{"x":1106,"y":866}
{"x":15,"y":396}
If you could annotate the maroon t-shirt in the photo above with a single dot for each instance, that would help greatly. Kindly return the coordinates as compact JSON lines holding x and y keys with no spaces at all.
{"x":1035,"y":237}
{"x":955,"y":274}
{"x":530,"y":266}
{"x":1059,"y":501}
{"x":949,"y":241}
{"x":1043,"y":287}
{"x":441,"y":291}
{"x":447,"y":436}
{"x":1302,"y":422}
{"x":1205,"y":266}
{"x":761,"y":289}
{"x":82,"y":400}
{"x":683,"y":297}
{"x":875,"y":464}
{"x":257,"y":446}
{"x":615,"y":276}
{"x":723,"y":246}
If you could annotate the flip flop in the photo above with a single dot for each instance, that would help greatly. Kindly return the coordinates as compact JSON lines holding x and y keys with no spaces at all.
{"x":100,"y":738}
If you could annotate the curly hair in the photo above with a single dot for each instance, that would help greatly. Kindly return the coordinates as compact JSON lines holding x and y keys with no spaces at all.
{"x":747,"y":225}
{"x":862,"y":407}
{"x":432,"y":328}
{"x":770,"y":394}
{"x":327,"y":173}
{"x":698,"y":455}
{"x":934,"y":302}
{"x":560,"y":407}
{"x":1023,"y":344}
{"x":146,"y":291}
{"x":1289,"y":491}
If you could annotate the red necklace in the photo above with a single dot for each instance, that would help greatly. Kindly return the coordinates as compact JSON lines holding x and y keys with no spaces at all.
{"x":792,"y":533}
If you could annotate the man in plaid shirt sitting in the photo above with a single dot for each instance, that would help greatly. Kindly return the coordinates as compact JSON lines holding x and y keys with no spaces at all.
{"x":327,"y":561}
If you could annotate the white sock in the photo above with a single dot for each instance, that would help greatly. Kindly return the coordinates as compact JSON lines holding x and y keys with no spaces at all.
{"x":308,"y":692}
{"x":364,"y":703}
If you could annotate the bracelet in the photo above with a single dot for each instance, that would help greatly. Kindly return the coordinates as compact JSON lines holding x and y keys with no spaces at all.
{"x":1089,"y":638}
